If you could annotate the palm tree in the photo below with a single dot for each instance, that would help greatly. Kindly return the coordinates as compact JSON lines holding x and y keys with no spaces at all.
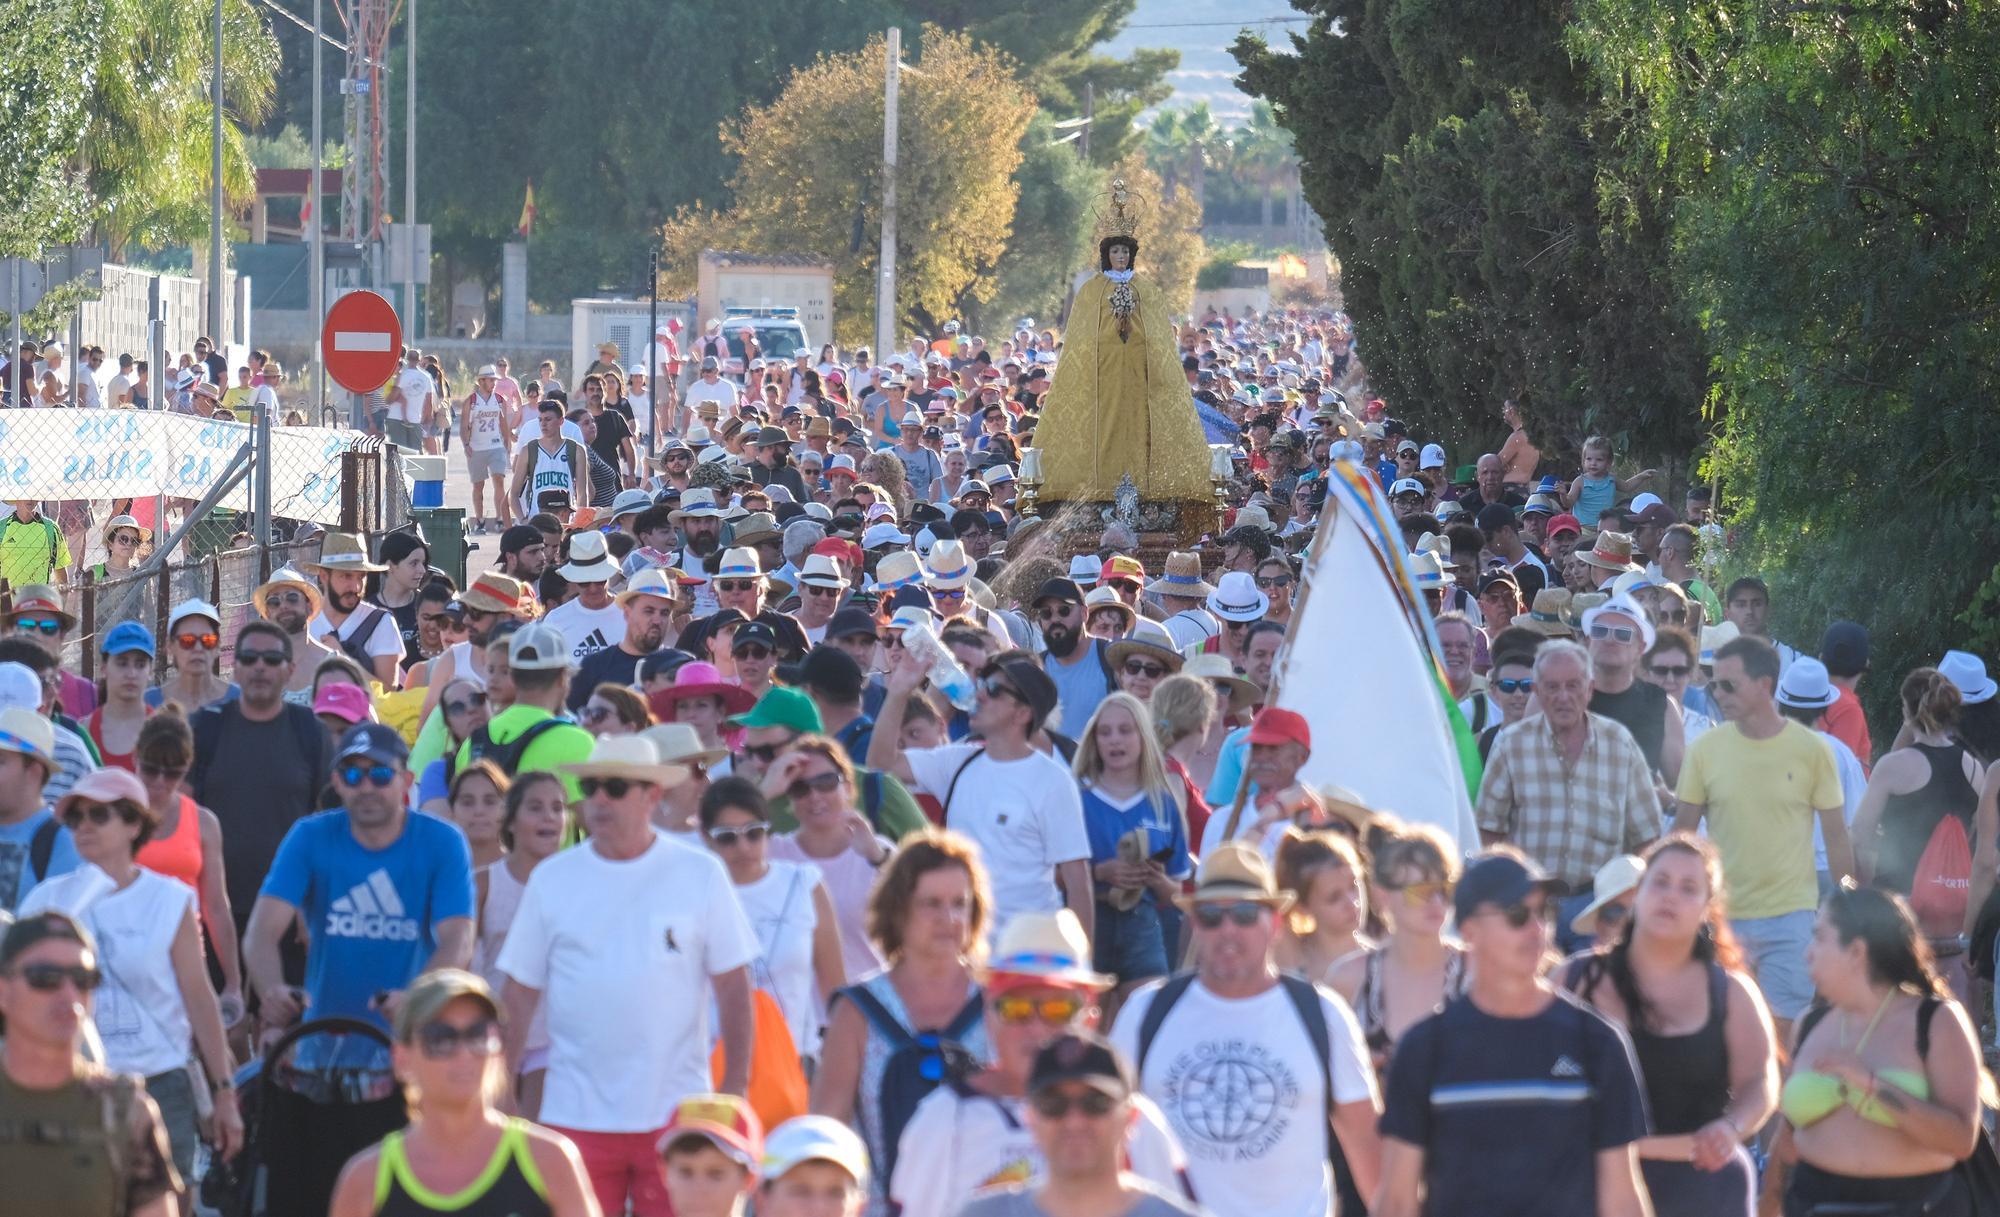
{"x":1263,"y":153}
{"x":1166,"y":150}
{"x":1204,"y":139}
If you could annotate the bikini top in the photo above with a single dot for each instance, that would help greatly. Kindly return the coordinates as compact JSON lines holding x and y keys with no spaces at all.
{"x":1810,"y":1096}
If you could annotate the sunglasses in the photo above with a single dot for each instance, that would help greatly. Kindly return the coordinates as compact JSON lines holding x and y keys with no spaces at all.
{"x":162,"y":772}
{"x":750,"y":833}
{"x":207,"y":642}
{"x":250,"y":659}
{"x":1052,"y":1104}
{"x":1671,"y":671}
{"x":1054,"y":612}
{"x":952,"y":594}
{"x":37,"y":625}
{"x":761,"y":752}
{"x":1055,"y":1011}
{"x":1272,"y":582}
{"x":1725,"y":687}
{"x":1139,"y":667}
{"x":48,"y":977}
{"x":125,"y":538}
{"x":1417,"y":895}
{"x":735,"y":585}
{"x":1243,"y":913}
{"x":594,"y":715}
{"x":1523,"y":684}
{"x":440,"y":1041}
{"x":996,"y":686}
{"x":814,"y":589}
{"x":1518,"y":916}
{"x":377,"y":775}
{"x":1612,"y":915}
{"x":613,"y":788}
{"x":752,"y":650}
{"x":476,"y":701}
{"x":823,"y":783}
{"x":277,"y":598}
{"x":1621,"y":633}
{"x":99,"y":814}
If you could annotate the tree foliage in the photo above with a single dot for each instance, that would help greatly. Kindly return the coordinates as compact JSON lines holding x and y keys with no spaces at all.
{"x":48,"y":62}
{"x":1837,"y":226}
{"x":1452,"y":152}
{"x":808,"y":180}
{"x":1171,"y":249}
{"x":1051,"y":239}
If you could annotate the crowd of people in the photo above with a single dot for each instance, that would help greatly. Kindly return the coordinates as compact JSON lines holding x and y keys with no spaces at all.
{"x":789,"y":820}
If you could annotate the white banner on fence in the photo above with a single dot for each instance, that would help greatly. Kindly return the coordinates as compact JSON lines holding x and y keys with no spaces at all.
{"x":115,"y":454}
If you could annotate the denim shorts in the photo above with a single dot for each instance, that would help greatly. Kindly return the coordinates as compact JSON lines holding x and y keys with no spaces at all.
{"x":1776,"y":949}
{"x":1129,"y":943}
{"x":173,"y":1094}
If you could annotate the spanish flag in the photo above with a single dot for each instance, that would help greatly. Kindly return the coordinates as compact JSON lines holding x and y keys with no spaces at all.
{"x":527,"y":224}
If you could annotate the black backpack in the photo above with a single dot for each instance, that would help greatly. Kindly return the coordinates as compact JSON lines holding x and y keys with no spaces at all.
{"x":480,"y":747}
{"x":355,"y":645}
{"x":918,"y":1063}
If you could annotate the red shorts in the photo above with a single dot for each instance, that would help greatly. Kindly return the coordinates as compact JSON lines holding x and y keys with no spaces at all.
{"x":622,"y":1164}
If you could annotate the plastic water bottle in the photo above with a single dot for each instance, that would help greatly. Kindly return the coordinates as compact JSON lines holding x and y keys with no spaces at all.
{"x":946,"y":676}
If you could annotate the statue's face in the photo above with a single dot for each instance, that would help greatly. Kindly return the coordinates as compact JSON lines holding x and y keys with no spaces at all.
{"x":1121,"y":258}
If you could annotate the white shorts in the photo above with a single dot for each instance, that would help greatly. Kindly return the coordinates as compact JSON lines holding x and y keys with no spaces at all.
{"x":491,"y":463}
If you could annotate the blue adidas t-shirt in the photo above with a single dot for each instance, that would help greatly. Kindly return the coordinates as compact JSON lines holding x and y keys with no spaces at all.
{"x":18,"y":876}
{"x":370,"y":913}
{"x":1166,"y":830}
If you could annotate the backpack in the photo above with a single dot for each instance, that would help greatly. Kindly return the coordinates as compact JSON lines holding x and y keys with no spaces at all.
{"x":508,"y":755}
{"x":48,"y":525}
{"x":207,"y":728}
{"x":1304,"y":998}
{"x":355,"y":645}
{"x":1941,"y":885}
{"x":116,"y":1095}
{"x":42,"y":847}
{"x":918,"y":1064}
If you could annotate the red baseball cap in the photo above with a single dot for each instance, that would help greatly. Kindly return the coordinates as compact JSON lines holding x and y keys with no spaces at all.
{"x":1564,"y":523}
{"x":723,"y":1120}
{"x":1275,"y":726}
{"x":844,"y":551}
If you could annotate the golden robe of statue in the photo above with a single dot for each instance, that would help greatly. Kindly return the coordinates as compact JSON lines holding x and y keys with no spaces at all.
{"x":1120,"y":404}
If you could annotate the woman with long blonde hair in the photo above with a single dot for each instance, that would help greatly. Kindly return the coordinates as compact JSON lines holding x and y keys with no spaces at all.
{"x":1138,"y":839}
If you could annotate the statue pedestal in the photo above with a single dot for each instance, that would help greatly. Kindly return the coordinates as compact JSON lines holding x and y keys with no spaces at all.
{"x":1069,"y":529}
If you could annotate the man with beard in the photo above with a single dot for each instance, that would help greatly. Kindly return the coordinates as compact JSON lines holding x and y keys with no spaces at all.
{"x":700,"y":521}
{"x":1076,"y":662}
{"x":524,"y":553}
{"x":648,"y":604}
{"x":259,"y":763}
{"x":290,"y":601}
{"x":385,"y":893}
{"x":739,"y":583}
{"x":367,"y":634}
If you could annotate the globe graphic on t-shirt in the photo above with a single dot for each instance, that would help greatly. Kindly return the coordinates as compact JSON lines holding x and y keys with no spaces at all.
{"x":1228,"y":1098}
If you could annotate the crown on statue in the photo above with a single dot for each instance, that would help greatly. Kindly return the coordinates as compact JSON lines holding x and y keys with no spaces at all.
{"x":1119,"y":216}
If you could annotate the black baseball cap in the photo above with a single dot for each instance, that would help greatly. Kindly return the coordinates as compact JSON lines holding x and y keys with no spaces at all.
{"x":376,"y":742}
{"x":1844,"y":648}
{"x":833,"y":672}
{"x":519,"y":537}
{"x":754,"y":633}
{"x":1494,"y":578}
{"x":1494,"y":516}
{"x":42,"y":927}
{"x":1034,"y":685}
{"x":1063,"y":591}
{"x":851,"y":622}
{"x":1501,"y":877}
{"x":663,"y":662}
{"x":1081,"y":1056}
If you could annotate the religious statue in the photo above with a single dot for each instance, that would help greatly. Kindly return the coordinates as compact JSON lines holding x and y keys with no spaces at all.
{"x":1120,"y":406}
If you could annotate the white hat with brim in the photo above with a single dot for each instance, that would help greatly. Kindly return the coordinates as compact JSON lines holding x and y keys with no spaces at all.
{"x":1614,"y":879}
{"x":652,"y":582}
{"x":1806,"y":685}
{"x":286,"y":579}
{"x":632,"y":757}
{"x":948,"y":568}
{"x":344,"y":551}
{"x":697,"y":504}
{"x":25,"y":732}
{"x":1044,"y":948}
{"x":821,"y":570}
{"x":680,"y":744}
{"x":1715,"y":637}
{"x":899,"y":568}
{"x":1098,"y":599}
{"x":115,"y":523}
{"x":1968,"y":672}
{"x":1238,"y":598}
{"x":589,"y":560}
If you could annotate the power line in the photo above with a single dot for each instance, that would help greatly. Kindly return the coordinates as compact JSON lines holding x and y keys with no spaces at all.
{"x":1182,"y":25}
{"x":305,"y":25}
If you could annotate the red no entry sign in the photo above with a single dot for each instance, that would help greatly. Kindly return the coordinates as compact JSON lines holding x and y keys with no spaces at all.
{"x":363,"y":341}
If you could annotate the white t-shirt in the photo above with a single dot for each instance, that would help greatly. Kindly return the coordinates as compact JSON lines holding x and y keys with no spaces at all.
{"x":387,"y":638}
{"x":1025,"y":815}
{"x":1191,"y":628}
{"x":623,"y":953}
{"x":1242,"y":1088}
{"x":783,"y":916}
{"x":120,"y":386}
{"x":416,"y":385}
{"x":587,"y":631}
{"x":723,"y":392}
{"x":267,"y":397}
{"x":956,"y":1148}
{"x":139,"y":1011}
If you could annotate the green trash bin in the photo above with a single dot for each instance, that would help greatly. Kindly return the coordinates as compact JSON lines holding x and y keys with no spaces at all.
{"x":443,"y":530}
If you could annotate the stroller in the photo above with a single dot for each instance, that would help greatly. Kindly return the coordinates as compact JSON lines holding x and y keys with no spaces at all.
{"x":321,"y":1094}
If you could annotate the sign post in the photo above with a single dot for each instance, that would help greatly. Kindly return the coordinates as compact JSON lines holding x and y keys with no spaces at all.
{"x":363,"y":341}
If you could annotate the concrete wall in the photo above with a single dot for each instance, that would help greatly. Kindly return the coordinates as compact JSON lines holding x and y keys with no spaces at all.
{"x":288,"y":335}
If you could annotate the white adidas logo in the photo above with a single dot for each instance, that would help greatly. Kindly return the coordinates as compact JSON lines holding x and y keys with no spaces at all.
{"x":371,"y":909}
{"x":1565,"y":1068}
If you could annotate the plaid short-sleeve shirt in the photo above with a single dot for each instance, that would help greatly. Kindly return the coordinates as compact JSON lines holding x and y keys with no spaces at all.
{"x":1570,"y":817}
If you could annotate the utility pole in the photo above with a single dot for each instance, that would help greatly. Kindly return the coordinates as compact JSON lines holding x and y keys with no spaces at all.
{"x":412,"y":317}
{"x":1089,"y":114}
{"x":215,"y":277}
{"x":316,"y":280}
{"x":652,"y":356}
{"x":885,"y":292}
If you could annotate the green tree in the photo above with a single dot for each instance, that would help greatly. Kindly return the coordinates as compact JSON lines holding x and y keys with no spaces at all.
{"x":1051,"y":232}
{"x":48,"y":64}
{"x":1456,"y":163}
{"x":1837,"y":227}
{"x":963,"y":113}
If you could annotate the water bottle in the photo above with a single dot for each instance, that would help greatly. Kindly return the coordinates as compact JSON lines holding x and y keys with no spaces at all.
{"x":946,"y":676}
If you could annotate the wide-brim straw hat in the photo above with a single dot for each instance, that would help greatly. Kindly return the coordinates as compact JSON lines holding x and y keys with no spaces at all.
{"x":1148,"y":638}
{"x":287,"y":579}
{"x":1182,"y":577}
{"x":344,"y":551}
{"x":631,"y":757}
{"x":1216,"y":669}
{"x":1613,"y":551}
{"x":1550,"y":614}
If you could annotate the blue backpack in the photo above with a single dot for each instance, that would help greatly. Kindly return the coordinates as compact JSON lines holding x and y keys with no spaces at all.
{"x":919,"y":1062}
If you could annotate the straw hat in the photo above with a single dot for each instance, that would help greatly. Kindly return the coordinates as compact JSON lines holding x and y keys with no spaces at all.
{"x":680,"y":744}
{"x":1044,"y":949}
{"x":115,"y":523}
{"x":1427,"y":570}
{"x":1583,"y":602}
{"x":1236,"y":870}
{"x":949,"y":567}
{"x":494,"y":592}
{"x":651,"y":582}
{"x":344,"y":551}
{"x":740,"y":562}
{"x":1148,"y":638}
{"x":1613,"y":551}
{"x":1182,"y":578}
{"x":1238,"y":598}
{"x":43,"y":601}
{"x":697,"y":504}
{"x":283,"y":579}
{"x":898,"y":569}
{"x":1107,"y":598}
{"x":1613,"y":879}
{"x":1217,"y":670}
{"x":1721,"y":634}
{"x":821,"y":570}
{"x":1806,"y":685}
{"x":1550,"y":614}
{"x":589,"y":559}
{"x":631,"y":757}
{"x":755,"y":527}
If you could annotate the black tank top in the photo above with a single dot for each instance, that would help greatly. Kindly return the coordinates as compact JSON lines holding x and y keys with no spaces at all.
{"x":1640,"y":709}
{"x":1686,"y":1076}
{"x":510,"y":1186}
{"x":1909,"y":819}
